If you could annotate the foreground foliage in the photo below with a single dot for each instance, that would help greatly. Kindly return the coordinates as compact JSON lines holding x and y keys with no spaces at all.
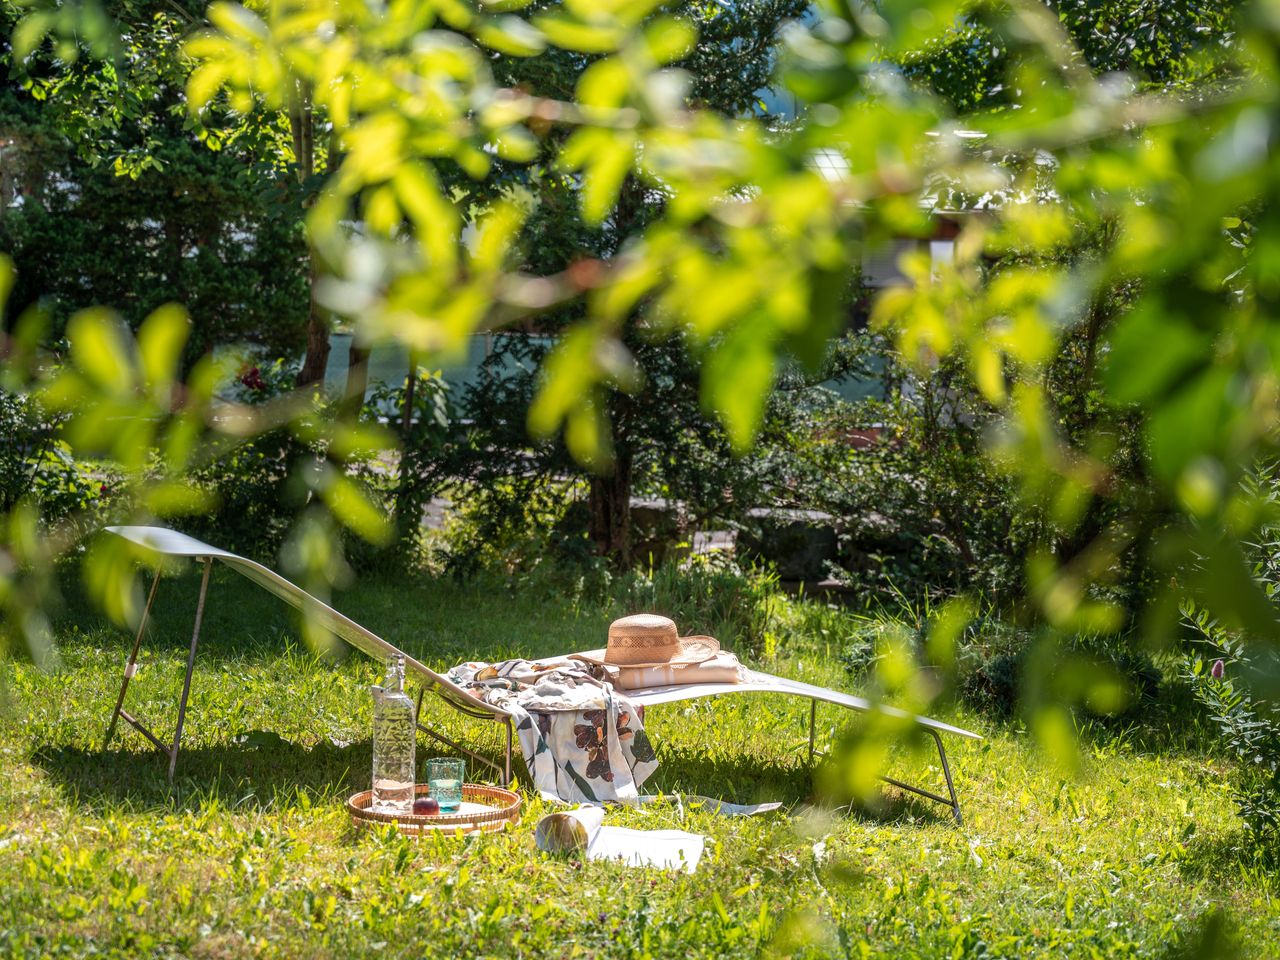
{"x":1117,"y":212}
{"x":1015,"y":110}
{"x":251,"y":853}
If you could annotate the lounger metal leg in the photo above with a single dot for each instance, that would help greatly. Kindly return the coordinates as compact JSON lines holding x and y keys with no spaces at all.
{"x":453,"y":744}
{"x":946,"y":771}
{"x":191,"y":663}
{"x":503,"y":771}
{"x":170,"y":750}
{"x":953,"y":801}
{"x":131,"y":667}
{"x":507,"y":762}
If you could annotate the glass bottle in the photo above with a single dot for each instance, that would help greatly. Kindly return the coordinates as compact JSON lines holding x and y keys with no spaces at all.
{"x":394,"y":741}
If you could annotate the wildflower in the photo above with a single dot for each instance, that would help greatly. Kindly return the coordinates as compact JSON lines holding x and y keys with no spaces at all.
{"x":1217,"y":669}
{"x":252,"y":378}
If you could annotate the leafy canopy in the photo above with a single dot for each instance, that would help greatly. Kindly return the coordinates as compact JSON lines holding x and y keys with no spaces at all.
{"x":754,"y":246}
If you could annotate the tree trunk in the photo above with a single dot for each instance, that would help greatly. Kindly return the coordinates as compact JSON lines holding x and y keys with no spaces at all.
{"x":609,"y":503}
{"x":408,"y":507}
{"x":406,"y":406}
{"x":357,"y":380}
{"x":317,"y":358}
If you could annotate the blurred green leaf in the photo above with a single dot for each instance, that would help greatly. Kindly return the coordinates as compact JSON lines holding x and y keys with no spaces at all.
{"x":160,"y":341}
{"x":572,"y":34}
{"x":668,"y":39}
{"x":1056,"y":735}
{"x":6,"y":279}
{"x":512,"y":36}
{"x":101,"y":350}
{"x":736,"y":380}
{"x":354,"y":509}
{"x":605,"y":157}
{"x":29,"y":32}
{"x":1135,"y":371}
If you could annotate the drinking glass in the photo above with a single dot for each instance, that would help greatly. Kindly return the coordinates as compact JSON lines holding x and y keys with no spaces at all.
{"x":445,"y":777}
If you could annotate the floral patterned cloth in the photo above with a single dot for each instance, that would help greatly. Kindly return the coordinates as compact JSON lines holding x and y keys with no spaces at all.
{"x":582,"y":740}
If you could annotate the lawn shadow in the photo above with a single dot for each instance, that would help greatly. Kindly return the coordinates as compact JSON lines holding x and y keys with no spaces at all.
{"x":889,"y":807}
{"x":234,"y":775}
{"x":738,"y":779}
{"x":895,"y":807}
{"x":1208,"y":937}
{"x":265,"y":772}
{"x":238,"y":617}
{"x":748,"y":779}
{"x":1225,"y":859}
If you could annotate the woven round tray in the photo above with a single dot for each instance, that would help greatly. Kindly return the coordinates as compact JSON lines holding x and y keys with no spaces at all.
{"x":484,"y":810}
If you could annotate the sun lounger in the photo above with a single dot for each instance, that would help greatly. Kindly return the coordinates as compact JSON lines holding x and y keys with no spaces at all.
{"x":171,"y":543}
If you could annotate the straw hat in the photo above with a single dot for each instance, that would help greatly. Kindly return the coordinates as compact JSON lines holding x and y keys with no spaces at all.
{"x":648,"y":640}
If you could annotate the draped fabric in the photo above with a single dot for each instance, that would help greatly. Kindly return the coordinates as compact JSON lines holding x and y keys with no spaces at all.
{"x":582,"y":740}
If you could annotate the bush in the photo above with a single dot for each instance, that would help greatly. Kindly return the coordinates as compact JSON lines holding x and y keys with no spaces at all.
{"x":665,"y":448}
{"x":915,"y":504}
{"x":1236,"y":677}
{"x":259,"y":488}
{"x":1002,"y":667}
{"x":197,"y":228}
{"x":1227,"y":677}
{"x":918,"y":503}
{"x":36,"y":465}
{"x":254,"y":503}
{"x":706,"y":594}
{"x":421,"y":417}
{"x":518,"y":527}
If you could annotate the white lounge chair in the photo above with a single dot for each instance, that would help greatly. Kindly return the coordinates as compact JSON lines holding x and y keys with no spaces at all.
{"x":174,"y":544}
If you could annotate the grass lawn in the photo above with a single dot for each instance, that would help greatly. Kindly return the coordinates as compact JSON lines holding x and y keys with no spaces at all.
{"x":251,"y":853}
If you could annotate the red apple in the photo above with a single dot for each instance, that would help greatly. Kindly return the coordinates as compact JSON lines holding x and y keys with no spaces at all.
{"x":426,"y":807}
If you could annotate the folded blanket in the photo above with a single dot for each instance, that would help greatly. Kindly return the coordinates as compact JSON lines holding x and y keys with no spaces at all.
{"x":581,"y":739}
{"x":722,"y":668}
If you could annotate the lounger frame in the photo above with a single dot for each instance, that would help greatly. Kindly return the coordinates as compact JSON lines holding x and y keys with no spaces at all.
{"x":171,"y":543}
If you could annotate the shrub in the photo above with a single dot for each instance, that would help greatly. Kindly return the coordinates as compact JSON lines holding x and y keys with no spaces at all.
{"x":1228,"y":676}
{"x":255,"y":499}
{"x":35,"y":464}
{"x":1001,"y":667}
{"x":251,"y":513}
{"x":1234,"y":675}
{"x":421,"y":414}
{"x":706,"y":594}
{"x":517,"y":527}
{"x":665,"y":447}
{"x":1004,"y":668}
{"x":918,"y":502}
{"x":917,"y":508}
{"x":254,"y":502}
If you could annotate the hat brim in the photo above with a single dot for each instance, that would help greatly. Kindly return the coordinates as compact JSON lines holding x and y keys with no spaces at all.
{"x":693,"y":650}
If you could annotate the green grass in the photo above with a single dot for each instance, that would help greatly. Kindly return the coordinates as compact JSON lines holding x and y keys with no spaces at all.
{"x":251,"y":853}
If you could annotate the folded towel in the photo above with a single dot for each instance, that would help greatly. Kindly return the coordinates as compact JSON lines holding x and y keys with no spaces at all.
{"x":722,"y":668}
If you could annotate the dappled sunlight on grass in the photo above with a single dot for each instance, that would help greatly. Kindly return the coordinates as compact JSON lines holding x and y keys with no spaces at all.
{"x":251,"y":852}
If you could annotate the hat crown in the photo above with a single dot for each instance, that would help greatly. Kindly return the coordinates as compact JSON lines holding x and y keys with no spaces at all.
{"x":641,"y":638}
{"x":645,"y":623}
{"x":650,"y":640}
{"x":647,"y":639}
